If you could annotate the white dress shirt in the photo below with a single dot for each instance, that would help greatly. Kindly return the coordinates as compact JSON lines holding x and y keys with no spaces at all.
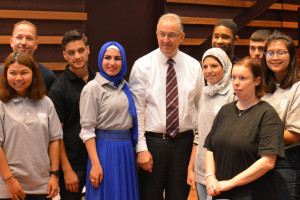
{"x":148,"y":84}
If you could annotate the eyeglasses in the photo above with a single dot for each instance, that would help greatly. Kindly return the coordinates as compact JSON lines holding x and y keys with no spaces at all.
{"x":170,"y":36}
{"x":272,"y":53}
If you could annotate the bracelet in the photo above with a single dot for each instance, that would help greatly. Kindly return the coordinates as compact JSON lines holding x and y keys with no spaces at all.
{"x":210,"y":174}
{"x":8,"y":178}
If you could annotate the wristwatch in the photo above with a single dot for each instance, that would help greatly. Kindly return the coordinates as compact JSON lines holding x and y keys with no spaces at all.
{"x":55,"y":173}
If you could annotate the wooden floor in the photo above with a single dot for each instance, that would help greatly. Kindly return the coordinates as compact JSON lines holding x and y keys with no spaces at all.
{"x":193,"y":194}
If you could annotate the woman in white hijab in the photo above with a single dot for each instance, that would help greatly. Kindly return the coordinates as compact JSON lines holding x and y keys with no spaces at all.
{"x":216,"y":68}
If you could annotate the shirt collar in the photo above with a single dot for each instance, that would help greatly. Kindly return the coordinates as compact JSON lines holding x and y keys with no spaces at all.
{"x":19,"y":99}
{"x":71,"y":76}
{"x":103,"y":81}
{"x":164,"y":58}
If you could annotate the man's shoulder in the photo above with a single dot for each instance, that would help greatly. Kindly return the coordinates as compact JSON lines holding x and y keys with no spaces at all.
{"x":188,"y":58}
{"x":45,"y":69}
{"x":149,"y":56}
{"x":59,"y":85}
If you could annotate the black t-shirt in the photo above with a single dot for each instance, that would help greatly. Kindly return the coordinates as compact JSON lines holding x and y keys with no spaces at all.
{"x":65,"y":94}
{"x":238,"y":141}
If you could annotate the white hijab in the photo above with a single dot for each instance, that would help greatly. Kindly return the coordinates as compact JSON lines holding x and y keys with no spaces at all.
{"x":213,"y":89}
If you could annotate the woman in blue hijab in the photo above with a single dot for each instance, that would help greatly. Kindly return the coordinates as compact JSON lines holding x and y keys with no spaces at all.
{"x":109,"y":129}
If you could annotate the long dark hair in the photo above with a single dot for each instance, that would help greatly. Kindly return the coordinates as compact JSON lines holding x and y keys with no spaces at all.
{"x":36,"y":90}
{"x":292,"y":75}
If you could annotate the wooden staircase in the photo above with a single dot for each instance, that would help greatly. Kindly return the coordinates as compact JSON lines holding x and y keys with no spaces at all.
{"x":200,"y":16}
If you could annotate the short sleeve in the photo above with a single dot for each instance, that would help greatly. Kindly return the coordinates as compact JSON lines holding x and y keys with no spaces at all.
{"x":57,"y":97}
{"x":293,"y":114}
{"x":54,"y":125}
{"x":208,"y":139}
{"x":271,"y":134}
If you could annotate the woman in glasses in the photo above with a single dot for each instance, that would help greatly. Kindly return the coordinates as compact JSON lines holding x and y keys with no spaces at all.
{"x":280,"y":66}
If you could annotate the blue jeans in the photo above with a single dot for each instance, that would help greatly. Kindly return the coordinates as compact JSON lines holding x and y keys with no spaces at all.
{"x":201,"y":192}
{"x":288,"y":174}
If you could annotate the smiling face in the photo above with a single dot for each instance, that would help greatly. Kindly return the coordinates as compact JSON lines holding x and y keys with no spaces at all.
{"x":278,"y":63}
{"x":112,"y":62}
{"x":24,"y":39}
{"x":76,"y":54}
{"x":223,"y":38}
{"x":19,"y":77}
{"x":243,"y":82}
{"x":169,"y":37}
{"x":212,"y":70}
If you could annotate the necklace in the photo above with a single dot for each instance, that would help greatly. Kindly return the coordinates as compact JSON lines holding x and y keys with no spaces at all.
{"x":241,"y":112}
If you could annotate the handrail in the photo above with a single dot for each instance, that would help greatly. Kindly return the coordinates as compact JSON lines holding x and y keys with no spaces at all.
{"x":54,"y":66}
{"x":253,"y":23}
{"x":4,"y":39}
{"x":49,"y":15}
{"x":199,"y":41}
{"x":235,"y":3}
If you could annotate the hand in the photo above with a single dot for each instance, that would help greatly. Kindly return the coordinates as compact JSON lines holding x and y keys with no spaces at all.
{"x":52,"y":189}
{"x":212,"y":186}
{"x":225,"y":185}
{"x":191,"y":178}
{"x":96,"y":175}
{"x":14,"y":189}
{"x":71,"y":180}
{"x":145,"y":160}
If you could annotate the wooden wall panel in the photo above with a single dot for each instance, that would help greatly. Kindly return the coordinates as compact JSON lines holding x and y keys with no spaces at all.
{"x":131,"y":23}
{"x":52,"y":18}
{"x":199,"y":17}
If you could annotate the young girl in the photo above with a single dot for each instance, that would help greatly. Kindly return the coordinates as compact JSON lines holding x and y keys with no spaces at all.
{"x":280,"y":65}
{"x":216,"y":68}
{"x":109,"y":129}
{"x":29,"y":132}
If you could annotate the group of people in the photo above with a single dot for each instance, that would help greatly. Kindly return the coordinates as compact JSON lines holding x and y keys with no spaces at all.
{"x":228,"y":127}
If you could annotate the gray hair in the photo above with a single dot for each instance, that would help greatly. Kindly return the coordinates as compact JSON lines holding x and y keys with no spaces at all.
{"x":171,"y":17}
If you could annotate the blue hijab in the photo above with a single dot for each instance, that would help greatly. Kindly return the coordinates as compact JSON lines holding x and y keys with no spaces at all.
{"x":117,"y":80}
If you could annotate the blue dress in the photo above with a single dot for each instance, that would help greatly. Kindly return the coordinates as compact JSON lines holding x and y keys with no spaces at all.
{"x":117,"y":158}
{"x":105,"y":107}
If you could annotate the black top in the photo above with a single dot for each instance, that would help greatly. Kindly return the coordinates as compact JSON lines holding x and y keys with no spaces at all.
{"x":65,"y":94}
{"x":235,"y":59}
{"x":238,"y":141}
{"x":47,"y":74}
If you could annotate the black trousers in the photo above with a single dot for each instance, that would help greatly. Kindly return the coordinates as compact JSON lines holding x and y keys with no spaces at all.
{"x":169,"y":172}
{"x":34,"y":197}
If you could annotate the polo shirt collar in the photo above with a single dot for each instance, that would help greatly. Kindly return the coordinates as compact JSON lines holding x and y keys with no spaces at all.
{"x":71,"y":76}
{"x":19,"y":99}
{"x":103,"y":81}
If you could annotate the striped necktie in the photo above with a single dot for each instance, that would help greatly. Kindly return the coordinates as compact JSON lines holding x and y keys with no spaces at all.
{"x":172,"y":118}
